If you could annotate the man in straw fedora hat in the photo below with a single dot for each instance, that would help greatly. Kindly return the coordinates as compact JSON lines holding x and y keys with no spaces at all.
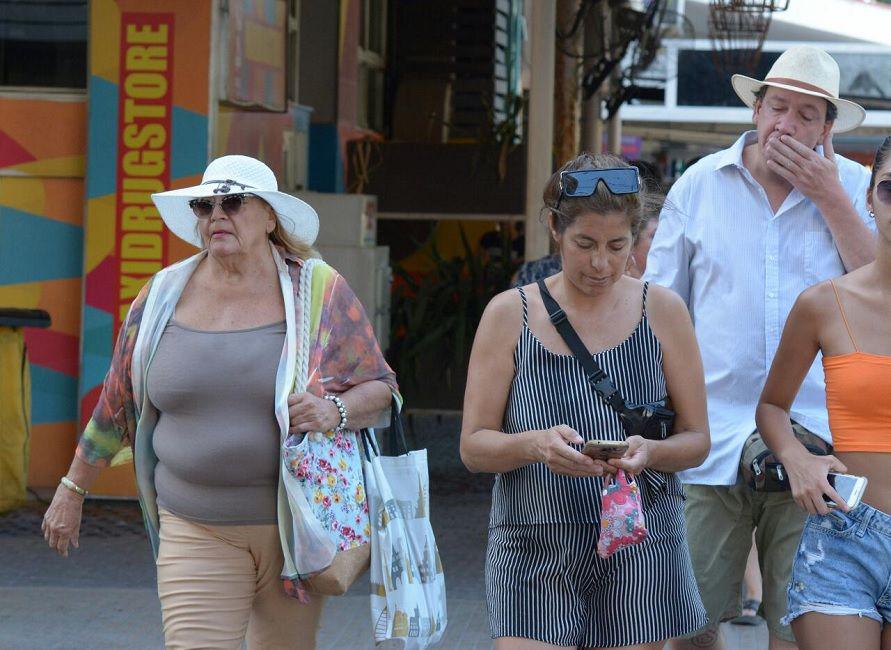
{"x":742,"y":233}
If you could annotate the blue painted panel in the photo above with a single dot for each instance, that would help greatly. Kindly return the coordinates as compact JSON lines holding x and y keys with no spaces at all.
{"x":53,"y":396}
{"x":189,"y":143}
{"x":34,"y":248}
{"x":269,"y":8}
{"x":102,"y":143}
{"x":325,"y":162}
{"x":97,"y":332}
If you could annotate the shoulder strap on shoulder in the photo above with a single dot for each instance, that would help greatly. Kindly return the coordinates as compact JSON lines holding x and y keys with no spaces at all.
{"x":525,"y":306}
{"x":844,"y":317}
{"x":597,"y":378}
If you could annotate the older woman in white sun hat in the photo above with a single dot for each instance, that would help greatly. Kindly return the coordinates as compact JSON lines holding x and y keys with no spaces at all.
{"x":200,"y":387}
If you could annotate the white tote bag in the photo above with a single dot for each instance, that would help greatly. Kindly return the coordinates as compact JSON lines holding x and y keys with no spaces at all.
{"x":408,"y":598}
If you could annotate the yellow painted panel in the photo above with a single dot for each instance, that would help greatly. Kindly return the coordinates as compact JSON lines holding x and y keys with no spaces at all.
{"x":25,"y":194}
{"x":105,"y":39}
{"x":22,"y":296}
{"x":63,"y":166}
{"x":264,"y":45}
{"x":99,"y":230}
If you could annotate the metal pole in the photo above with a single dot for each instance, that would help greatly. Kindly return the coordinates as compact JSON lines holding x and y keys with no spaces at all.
{"x":615,"y":123}
{"x":615,"y":133}
{"x":592,"y":124}
{"x":540,"y":139}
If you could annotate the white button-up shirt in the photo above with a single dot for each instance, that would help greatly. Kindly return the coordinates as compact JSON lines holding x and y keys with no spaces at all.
{"x":740,"y":267}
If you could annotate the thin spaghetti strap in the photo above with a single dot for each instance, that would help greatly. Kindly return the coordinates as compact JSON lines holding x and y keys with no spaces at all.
{"x":844,"y":318}
{"x":646,"y":287}
{"x":525,"y":306}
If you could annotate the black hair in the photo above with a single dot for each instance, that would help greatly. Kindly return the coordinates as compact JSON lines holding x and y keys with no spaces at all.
{"x":882,"y":154}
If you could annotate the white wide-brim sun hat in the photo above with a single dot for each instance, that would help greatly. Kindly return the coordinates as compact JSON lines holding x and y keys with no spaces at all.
{"x":236,"y":175}
{"x":808,"y":70}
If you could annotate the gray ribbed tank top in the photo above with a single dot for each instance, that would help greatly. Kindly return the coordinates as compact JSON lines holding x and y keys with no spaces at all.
{"x":217,"y":439}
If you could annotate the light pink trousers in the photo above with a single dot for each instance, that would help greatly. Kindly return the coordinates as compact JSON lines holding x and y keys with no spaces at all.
{"x":220,"y":586}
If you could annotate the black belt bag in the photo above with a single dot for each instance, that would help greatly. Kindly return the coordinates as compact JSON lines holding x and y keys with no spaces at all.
{"x":654,"y":421}
{"x":763,"y":472}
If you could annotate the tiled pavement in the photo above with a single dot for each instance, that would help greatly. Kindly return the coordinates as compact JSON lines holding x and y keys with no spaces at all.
{"x":103,"y":596}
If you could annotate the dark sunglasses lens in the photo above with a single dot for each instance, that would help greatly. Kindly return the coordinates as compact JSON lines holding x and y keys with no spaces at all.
{"x":622,"y":181}
{"x":580,"y":183}
{"x":201,"y":208}
{"x":231,"y":204}
{"x":883,"y":192}
{"x":617,"y":181}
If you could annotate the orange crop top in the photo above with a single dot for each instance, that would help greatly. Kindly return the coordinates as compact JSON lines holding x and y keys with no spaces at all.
{"x":857,"y":397}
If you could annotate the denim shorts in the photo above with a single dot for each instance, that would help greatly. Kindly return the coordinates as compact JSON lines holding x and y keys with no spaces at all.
{"x":843,"y":566}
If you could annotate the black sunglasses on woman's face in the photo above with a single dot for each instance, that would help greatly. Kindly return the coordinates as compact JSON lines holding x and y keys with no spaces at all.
{"x":883,"y":192}
{"x":230,"y":204}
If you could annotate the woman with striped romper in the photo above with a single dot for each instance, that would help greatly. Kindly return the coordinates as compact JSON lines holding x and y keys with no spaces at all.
{"x":528,"y":408}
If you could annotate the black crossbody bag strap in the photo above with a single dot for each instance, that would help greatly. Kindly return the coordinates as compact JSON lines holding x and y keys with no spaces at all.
{"x":597,"y":378}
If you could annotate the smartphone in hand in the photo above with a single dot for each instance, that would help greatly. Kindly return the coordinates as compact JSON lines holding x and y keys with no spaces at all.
{"x":605,"y":449}
{"x":849,"y":487}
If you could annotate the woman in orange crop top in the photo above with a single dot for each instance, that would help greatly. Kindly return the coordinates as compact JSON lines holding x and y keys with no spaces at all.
{"x":840,"y":592}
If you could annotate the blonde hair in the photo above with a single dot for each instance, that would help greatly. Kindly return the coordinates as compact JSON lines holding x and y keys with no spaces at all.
{"x":285,"y":240}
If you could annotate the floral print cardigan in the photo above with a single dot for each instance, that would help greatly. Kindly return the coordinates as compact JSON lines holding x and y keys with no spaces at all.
{"x":343,"y":353}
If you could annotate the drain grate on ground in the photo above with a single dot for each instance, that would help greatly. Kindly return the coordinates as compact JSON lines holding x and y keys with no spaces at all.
{"x":101,"y":519}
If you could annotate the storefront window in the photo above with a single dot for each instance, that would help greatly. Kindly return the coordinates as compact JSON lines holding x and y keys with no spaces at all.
{"x":43,"y":43}
{"x":701,"y":83}
{"x":865,"y":78}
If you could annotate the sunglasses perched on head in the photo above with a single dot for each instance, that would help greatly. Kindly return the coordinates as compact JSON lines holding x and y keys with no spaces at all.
{"x":230,"y":205}
{"x":883,"y":192}
{"x":584,"y":182}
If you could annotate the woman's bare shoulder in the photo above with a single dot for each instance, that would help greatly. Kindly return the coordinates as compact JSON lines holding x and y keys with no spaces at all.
{"x":506,"y":307}
{"x":818,"y":299}
{"x":663,"y":302}
{"x":502,"y":320}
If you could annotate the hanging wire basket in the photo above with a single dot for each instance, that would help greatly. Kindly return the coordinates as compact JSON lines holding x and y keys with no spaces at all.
{"x":737,"y":29}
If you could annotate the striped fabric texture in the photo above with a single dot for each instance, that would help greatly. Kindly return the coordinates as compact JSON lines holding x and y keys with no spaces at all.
{"x":544,"y":580}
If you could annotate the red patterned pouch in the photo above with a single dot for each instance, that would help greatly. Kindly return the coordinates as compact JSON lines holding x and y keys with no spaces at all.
{"x":621,"y":515}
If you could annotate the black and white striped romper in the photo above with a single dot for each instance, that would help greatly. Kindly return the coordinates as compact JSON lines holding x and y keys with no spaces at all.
{"x":544,"y":579}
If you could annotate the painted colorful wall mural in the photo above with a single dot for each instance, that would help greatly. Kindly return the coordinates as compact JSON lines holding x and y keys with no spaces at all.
{"x":41,"y":258}
{"x":254,"y":69}
{"x":147,"y":131}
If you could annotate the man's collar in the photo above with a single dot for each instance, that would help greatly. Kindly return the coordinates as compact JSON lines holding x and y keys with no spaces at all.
{"x":734,"y":155}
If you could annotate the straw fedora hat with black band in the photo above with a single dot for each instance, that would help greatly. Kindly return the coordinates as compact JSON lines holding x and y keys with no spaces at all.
{"x":236,"y":175}
{"x":810,"y":71}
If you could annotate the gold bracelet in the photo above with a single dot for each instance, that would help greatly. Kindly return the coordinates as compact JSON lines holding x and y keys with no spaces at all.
{"x":74,"y":487}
